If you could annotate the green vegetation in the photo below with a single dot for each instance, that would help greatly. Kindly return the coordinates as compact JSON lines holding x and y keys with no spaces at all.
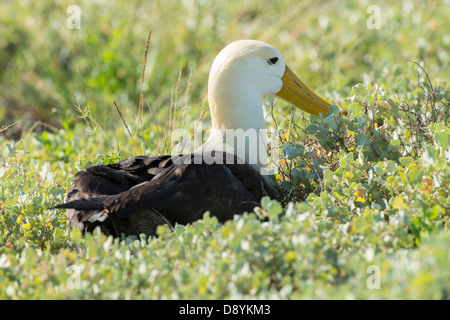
{"x":362,"y":189}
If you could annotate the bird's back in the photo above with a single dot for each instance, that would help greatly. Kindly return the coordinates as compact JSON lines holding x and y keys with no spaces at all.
{"x":136,"y":195}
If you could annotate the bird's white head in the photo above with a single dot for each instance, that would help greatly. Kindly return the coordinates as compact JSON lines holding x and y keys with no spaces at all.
{"x":249,"y":65}
{"x":241,"y":75}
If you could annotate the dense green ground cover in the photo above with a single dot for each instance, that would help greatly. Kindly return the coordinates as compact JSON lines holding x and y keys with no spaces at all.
{"x":364,"y":201}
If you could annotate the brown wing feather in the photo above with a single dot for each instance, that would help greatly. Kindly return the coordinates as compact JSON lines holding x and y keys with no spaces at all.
{"x":177,"y":190}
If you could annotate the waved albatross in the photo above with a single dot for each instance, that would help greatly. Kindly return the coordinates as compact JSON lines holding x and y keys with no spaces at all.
{"x":223,"y":177}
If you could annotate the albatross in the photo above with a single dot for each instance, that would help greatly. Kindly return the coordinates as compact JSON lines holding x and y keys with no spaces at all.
{"x":224,"y":176}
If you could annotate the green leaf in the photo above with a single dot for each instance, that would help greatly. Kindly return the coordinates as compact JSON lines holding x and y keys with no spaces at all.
{"x":293,"y":152}
{"x":390,"y":166}
{"x":274,"y":209}
{"x":76,"y":235}
{"x":11,"y":148}
{"x":328,"y":176}
{"x":414,"y":174}
{"x":363,"y":140}
{"x":287,"y":185}
{"x":432,"y":213}
{"x":330,"y":121}
{"x":362,"y":121}
{"x":359,"y":89}
{"x":370,"y":100}
{"x":443,"y":138}
{"x":312,"y":129}
{"x":379,"y":170}
{"x":313,"y":118}
{"x":334,"y":110}
{"x":405,"y":161}
{"x":355,"y":109}
{"x":310,"y":175}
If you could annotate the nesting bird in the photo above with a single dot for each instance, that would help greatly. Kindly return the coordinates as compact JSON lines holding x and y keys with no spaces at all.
{"x":224,"y":176}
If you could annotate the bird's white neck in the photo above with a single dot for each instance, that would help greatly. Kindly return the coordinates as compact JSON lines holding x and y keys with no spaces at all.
{"x":238,"y":127}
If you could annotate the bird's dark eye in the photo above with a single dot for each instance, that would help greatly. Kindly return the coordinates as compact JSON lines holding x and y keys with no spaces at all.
{"x":272,"y":60}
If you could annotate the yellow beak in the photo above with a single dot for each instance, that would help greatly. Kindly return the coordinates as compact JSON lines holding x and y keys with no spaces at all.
{"x":298,"y":94}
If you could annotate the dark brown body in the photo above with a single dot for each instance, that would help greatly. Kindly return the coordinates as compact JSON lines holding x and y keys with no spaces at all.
{"x":134,"y":196}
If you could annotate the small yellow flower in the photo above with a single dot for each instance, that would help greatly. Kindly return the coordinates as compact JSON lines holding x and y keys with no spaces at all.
{"x":27,"y":226}
{"x":359,"y":196}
